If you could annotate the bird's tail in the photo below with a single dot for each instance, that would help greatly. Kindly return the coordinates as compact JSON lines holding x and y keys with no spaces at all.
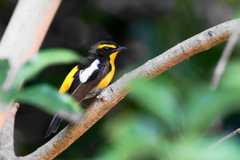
{"x":54,"y":125}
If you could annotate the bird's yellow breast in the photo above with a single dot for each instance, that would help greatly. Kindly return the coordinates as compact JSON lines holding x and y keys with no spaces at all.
{"x":107,"y":79}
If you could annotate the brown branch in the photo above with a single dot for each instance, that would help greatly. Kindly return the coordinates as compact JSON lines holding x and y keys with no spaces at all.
{"x":23,"y":37}
{"x":234,"y":133}
{"x":115,"y":92}
{"x":6,"y":136}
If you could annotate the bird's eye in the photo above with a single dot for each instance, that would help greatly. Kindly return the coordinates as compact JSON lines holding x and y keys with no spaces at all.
{"x":105,"y":48}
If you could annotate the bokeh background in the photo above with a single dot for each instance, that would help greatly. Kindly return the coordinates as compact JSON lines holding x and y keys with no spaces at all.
{"x":176,"y":115}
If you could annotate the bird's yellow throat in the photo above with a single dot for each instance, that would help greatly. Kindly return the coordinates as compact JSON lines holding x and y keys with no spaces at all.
{"x":106,"y":80}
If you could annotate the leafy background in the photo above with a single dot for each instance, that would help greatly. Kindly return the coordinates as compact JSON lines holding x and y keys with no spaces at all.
{"x":176,"y":115}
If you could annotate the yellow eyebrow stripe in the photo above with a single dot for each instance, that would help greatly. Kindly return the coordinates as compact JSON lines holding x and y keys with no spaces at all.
{"x":106,"y":45}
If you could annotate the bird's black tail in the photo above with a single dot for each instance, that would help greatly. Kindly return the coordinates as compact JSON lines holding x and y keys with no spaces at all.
{"x":54,"y":125}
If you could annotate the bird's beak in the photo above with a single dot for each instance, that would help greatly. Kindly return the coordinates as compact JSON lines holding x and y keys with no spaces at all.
{"x":121,"y":48}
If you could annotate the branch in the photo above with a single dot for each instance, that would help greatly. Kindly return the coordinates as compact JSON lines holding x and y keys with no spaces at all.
{"x":6,"y":136}
{"x":23,"y":37}
{"x":234,"y":133}
{"x":115,"y":92}
{"x":4,"y":111}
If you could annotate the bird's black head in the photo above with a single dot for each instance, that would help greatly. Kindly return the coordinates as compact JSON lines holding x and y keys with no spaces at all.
{"x":105,"y":48}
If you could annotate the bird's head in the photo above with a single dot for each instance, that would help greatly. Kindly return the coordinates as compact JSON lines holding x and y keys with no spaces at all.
{"x":105,"y":48}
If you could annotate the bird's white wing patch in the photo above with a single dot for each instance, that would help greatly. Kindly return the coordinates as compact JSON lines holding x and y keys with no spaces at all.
{"x":86,"y":73}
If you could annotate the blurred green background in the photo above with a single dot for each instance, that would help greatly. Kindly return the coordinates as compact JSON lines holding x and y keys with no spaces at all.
{"x":173,"y":116}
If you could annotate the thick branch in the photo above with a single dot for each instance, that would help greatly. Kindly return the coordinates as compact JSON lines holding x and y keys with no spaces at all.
{"x":115,"y":92}
{"x":6,"y":136}
{"x":23,"y":37}
{"x":25,"y":33}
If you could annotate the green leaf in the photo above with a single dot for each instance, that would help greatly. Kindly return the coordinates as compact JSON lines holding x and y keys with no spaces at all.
{"x":204,"y":106}
{"x":132,"y":136}
{"x":4,"y":67}
{"x":195,"y":147}
{"x":159,"y":97}
{"x":231,"y":76}
{"x":44,"y":59}
{"x":7,"y":96}
{"x":48,"y":99}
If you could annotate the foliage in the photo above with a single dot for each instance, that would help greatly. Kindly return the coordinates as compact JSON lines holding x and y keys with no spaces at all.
{"x":44,"y":59}
{"x":5,"y":96}
{"x":48,"y":99}
{"x":173,"y":116}
{"x":4,"y":68}
{"x":43,"y":96}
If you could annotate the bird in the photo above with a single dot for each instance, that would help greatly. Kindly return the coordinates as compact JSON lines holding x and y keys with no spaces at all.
{"x":90,"y":76}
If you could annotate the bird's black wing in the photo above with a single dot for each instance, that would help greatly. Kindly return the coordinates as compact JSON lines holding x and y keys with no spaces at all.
{"x":81,"y":66}
{"x":83,"y":89}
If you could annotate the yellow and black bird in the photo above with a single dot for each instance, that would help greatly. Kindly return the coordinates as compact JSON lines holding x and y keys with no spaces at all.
{"x":90,"y":76}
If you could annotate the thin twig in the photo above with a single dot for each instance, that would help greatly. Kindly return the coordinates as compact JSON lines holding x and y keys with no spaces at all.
{"x":234,"y":133}
{"x":222,"y":63}
{"x":115,"y":92}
